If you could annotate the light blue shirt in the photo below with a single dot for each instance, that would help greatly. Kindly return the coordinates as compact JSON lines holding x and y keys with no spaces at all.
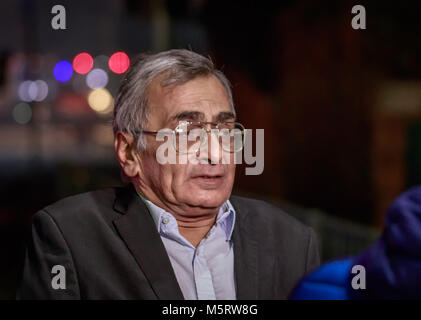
{"x":207,"y":271}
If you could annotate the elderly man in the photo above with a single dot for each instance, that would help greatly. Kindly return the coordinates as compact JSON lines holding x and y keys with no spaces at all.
{"x":175,"y":231}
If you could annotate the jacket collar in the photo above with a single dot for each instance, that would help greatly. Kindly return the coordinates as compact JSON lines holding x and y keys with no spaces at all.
{"x":226,"y":216}
{"x":137,"y":229}
{"x":245,"y":252}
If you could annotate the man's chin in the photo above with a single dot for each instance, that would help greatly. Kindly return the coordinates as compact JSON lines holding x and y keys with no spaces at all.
{"x":206,"y":199}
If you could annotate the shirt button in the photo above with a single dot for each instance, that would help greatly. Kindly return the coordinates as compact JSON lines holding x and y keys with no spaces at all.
{"x":165,"y":220}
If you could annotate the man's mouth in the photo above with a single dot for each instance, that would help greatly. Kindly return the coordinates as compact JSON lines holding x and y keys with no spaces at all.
{"x":209,"y":181}
{"x":209,"y":177}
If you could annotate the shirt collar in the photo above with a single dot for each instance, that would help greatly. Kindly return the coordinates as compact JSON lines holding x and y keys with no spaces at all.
{"x":225,"y":218}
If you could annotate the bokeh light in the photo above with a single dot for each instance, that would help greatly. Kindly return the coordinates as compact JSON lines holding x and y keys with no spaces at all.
{"x":101,"y":61}
{"x":33,"y":90}
{"x":42,"y":90}
{"x":100,"y":100}
{"x":23,"y":91}
{"x":119,"y":62}
{"x":22,"y":113}
{"x":63,"y":71}
{"x":83,"y":63}
{"x":97,"y":79}
{"x":71,"y":103}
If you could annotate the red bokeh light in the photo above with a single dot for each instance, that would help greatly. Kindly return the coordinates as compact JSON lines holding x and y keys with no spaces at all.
{"x":83,"y":63}
{"x":119,"y":62}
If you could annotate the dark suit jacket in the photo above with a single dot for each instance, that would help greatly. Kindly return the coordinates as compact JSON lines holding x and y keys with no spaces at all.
{"x":110,"y":248}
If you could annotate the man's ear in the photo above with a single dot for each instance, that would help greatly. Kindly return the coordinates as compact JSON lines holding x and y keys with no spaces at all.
{"x":126,"y":151}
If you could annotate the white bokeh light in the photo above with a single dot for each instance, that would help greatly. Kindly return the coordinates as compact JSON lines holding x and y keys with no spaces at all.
{"x":97,"y":79}
{"x":23,"y":91}
{"x":42,"y":90}
{"x":33,"y":90}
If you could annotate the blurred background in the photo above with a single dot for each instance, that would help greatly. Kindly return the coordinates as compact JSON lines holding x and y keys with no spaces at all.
{"x":341,"y":108}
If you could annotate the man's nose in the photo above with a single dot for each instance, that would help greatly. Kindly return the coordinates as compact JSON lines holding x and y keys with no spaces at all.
{"x":211,"y":149}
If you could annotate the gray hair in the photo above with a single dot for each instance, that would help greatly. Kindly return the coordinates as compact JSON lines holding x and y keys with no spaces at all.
{"x":131,"y":112}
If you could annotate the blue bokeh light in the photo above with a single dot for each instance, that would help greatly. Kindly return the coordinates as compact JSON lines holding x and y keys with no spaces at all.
{"x":63,"y":71}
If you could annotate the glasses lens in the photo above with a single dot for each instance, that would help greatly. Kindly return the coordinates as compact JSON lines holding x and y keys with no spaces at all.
{"x":189,"y":137}
{"x":232,"y":134}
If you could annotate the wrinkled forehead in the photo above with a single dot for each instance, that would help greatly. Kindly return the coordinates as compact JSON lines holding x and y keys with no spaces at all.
{"x":203,"y":111}
{"x":200,"y":99}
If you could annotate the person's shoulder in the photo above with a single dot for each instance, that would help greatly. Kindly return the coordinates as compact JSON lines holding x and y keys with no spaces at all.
{"x":84,"y":205}
{"x":268,"y":213}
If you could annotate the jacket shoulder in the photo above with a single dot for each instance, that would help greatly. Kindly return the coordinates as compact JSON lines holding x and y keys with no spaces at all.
{"x":83,"y":205}
{"x":268,"y":214}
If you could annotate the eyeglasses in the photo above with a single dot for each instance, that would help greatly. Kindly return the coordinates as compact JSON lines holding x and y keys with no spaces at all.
{"x":186,"y":134}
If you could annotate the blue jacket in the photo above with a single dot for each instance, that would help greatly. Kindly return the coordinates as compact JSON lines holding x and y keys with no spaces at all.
{"x":392,"y":264}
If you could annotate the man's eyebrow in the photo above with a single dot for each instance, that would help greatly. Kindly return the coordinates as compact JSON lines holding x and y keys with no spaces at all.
{"x":187,"y":115}
{"x":224,"y":116}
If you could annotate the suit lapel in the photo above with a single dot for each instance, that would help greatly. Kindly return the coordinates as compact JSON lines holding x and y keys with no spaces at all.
{"x":138,"y":231}
{"x":245,"y":253}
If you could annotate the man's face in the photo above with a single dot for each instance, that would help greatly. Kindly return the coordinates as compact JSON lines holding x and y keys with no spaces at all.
{"x":187,"y":189}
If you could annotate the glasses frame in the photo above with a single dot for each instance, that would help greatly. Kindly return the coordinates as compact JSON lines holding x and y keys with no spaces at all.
{"x":206,"y":131}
